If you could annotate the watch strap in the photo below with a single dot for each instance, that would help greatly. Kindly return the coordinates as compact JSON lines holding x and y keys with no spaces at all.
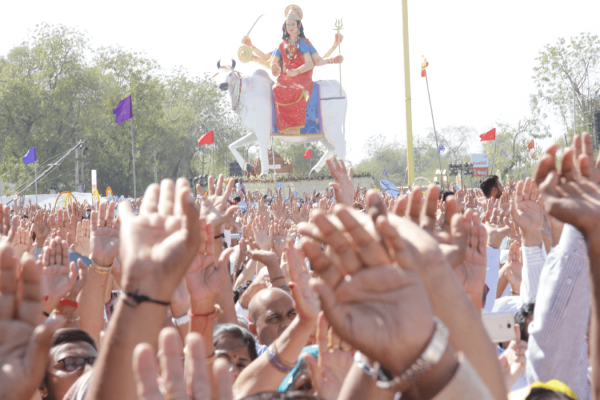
{"x":184,"y":319}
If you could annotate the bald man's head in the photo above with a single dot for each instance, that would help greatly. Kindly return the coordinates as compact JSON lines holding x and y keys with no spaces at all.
{"x":271,"y":311}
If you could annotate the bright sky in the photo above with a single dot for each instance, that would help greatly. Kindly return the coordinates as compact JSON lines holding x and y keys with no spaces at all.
{"x":481,"y":54}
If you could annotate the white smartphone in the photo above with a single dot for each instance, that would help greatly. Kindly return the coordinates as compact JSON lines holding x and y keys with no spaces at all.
{"x":500,"y":326}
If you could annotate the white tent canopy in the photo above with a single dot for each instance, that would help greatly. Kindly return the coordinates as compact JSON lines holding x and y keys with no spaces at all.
{"x":48,"y":200}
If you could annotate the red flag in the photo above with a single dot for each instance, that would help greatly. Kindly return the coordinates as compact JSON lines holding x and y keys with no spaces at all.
{"x":207,"y":138}
{"x":307,"y":154}
{"x":424,"y":65}
{"x":491,"y":135}
{"x":531,"y":145}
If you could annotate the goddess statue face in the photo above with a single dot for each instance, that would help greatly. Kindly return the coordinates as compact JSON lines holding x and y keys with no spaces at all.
{"x":291,"y":27}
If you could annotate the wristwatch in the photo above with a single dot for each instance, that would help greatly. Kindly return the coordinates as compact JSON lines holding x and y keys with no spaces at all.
{"x":184,"y":319}
{"x":430,"y":357}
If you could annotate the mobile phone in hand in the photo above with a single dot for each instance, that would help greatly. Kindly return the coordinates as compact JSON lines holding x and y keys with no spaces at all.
{"x":500,"y":326}
{"x":74,"y":256}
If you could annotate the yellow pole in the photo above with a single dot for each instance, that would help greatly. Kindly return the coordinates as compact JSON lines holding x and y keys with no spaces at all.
{"x":407,"y":98}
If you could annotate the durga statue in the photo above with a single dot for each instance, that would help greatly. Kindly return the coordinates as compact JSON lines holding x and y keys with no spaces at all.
{"x":292,"y":62}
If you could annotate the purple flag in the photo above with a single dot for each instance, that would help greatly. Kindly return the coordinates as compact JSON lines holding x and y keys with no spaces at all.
{"x":30,"y":157}
{"x":385,"y":172}
{"x":123,"y":111}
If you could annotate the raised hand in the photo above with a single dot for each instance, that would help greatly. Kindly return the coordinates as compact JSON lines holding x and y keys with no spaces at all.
{"x":260,"y":228}
{"x":58,"y":274}
{"x":26,"y":340}
{"x":197,"y":381}
{"x":204,"y":275}
{"x":104,"y":235}
{"x":471,"y":273}
{"x":41,"y":227}
{"x":383,"y":310}
{"x":23,"y":242}
{"x":527,"y":212}
{"x":513,"y":361}
{"x":497,"y":228}
{"x":343,"y":187}
{"x":514,"y":267}
{"x":82,"y":240}
{"x":328,"y":372}
{"x":7,"y":232}
{"x":305,"y":300}
{"x":214,"y":206}
{"x":573,"y":202}
{"x":452,"y":235}
{"x":158,"y":246}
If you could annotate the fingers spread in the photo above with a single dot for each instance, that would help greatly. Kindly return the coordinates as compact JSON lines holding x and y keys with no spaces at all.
{"x":145,"y":372}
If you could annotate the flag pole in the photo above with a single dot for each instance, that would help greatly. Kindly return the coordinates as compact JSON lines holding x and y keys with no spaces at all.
{"x":494,"y":169}
{"x":133,"y":158}
{"x":434,"y":131}
{"x":273,"y":153}
{"x":407,"y":96}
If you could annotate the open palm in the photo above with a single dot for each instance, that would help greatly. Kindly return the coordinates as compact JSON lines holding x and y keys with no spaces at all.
{"x":58,"y":278}
{"x":104,"y":237}
{"x":527,"y":210}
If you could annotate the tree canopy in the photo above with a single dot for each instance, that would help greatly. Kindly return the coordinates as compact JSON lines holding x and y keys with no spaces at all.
{"x":55,"y":89}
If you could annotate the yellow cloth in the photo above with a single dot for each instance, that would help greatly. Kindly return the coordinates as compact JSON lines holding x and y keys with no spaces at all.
{"x":555,"y":386}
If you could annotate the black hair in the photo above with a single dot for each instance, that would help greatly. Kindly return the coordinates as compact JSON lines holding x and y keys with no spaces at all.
{"x":286,"y":35}
{"x":236,"y":332}
{"x":295,"y":395}
{"x":445,"y":193}
{"x":487,"y":184}
{"x":526,"y":310}
{"x":69,"y":335}
{"x":239,"y":291}
{"x":546,"y":394}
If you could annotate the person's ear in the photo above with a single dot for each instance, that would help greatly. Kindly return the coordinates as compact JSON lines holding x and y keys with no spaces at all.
{"x":43,"y":390}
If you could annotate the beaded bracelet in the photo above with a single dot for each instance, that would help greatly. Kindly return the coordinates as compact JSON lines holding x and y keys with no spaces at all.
{"x":276,"y":362}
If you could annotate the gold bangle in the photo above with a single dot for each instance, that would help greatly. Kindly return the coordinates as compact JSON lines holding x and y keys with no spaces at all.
{"x":99,"y":269}
{"x":211,"y":359}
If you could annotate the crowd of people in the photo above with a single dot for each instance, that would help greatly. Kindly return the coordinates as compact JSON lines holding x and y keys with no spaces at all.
{"x":345,"y":294}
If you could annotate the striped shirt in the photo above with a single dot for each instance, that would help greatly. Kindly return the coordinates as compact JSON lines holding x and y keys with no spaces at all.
{"x":557,"y":347}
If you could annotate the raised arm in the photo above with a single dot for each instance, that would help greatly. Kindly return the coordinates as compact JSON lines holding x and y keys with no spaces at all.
{"x":246,"y":40}
{"x":564,"y":287}
{"x":157,"y":247}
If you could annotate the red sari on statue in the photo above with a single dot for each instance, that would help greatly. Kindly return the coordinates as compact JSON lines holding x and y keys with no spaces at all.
{"x":292,"y":93}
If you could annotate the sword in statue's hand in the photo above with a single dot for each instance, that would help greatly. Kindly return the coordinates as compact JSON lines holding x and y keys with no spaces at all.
{"x":255,"y":24}
{"x":338,"y":25}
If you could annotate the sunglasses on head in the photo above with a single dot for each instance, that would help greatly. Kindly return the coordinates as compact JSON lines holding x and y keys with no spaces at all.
{"x":77,"y":363}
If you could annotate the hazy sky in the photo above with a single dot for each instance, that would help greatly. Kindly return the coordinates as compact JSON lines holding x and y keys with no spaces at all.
{"x":481,"y":53}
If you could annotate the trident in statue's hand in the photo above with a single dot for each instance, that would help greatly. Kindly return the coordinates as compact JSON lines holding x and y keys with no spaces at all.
{"x":338,"y":25}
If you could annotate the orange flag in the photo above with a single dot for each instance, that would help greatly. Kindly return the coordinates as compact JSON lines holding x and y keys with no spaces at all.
{"x":531,"y":145}
{"x":424,"y":65}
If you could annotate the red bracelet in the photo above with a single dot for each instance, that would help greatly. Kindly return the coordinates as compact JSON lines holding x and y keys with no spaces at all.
{"x":66,"y":302}
{"x":209,"y":317}
{"x":213,"y":315}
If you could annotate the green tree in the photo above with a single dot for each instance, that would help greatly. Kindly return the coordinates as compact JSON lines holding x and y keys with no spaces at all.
{"x":567,"y":69}
{"x":56,"y":90}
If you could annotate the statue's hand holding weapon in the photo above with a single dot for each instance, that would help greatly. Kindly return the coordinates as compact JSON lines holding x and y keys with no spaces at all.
{"x":246,"y":40}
